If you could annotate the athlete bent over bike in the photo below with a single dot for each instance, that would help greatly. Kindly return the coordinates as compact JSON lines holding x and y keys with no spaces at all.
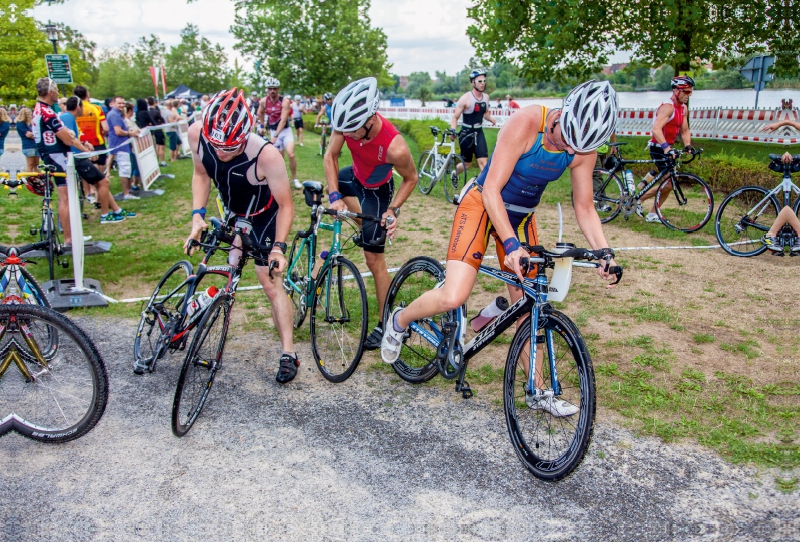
{"x":251,"y":178}
{"x":534,"y":148}
{"x":368,"y":185}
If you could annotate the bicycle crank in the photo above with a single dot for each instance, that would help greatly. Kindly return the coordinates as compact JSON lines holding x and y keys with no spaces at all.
{"x":449,"y":357}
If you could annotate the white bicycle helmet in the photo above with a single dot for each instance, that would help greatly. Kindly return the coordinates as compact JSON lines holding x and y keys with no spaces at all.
{"x":589,"y":115}
{"x":297,"y":97}
{"x":270,"y":82}
{"x":354,"y":104}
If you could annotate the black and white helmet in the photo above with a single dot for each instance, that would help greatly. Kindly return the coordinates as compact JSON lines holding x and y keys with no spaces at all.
{"x":354,"y":104}
{"x":327,"y":96}
{"x":589,"y":115}
{"x":270,"y":82}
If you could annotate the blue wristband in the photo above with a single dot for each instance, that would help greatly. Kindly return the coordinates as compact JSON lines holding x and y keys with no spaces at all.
{"x":665,"y":145}
{"x":334,"y":196}
{"x":201,"y":211}
{"x":511,"y":244}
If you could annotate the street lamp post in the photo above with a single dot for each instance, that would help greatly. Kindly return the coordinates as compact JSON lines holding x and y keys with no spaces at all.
{"x":52,"y":34}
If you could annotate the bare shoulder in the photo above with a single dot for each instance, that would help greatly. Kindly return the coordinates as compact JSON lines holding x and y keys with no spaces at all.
{"x":526,"y":118}
{"x":398,"y":149}
{"x":194,"y":132}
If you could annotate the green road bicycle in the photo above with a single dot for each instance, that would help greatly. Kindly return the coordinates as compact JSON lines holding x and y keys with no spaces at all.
{"x":336,"y":296}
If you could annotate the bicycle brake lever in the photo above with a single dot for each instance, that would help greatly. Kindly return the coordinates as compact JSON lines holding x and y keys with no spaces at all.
{"x":615,"y":270}
{"x":272,"y":265}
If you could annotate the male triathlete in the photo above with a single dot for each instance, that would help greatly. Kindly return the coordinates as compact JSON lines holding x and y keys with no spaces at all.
{"x":672,"y":118}
{"x":324,"y":111}
{"x":297,"y":117}
{"x":252,"y":103}
{"x":277,"y":110}
{"x":474,"y":106}
{"x":54,"y":142}
{"x":368,"y":185}
{"x":251,"y":178}
{"x":534,"y":148}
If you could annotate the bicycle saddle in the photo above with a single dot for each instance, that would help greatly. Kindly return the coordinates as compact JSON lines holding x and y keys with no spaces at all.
{"x":617,"y":144}
{"x":434,"y":129}
{"x":314,"y":186}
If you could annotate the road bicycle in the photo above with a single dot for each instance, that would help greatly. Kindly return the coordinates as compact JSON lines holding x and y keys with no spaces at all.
{"x":171,"y":319}
{"x":41,"y":184}
{"x":54,"y":391}
{"x":323,"y":141}
{"x":550,"y":446}
{"x":434,"y":166}
{"x":17,"y":285}
{"x":336,"y":296}
{"x":683,"y":201}
{"x":749,"y":212}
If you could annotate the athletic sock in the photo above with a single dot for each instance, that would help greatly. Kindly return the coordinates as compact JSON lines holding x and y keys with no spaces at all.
{"x":395,"y":325}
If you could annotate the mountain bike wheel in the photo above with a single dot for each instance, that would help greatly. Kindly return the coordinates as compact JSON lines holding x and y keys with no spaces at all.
{"x":549,"y":446}
{"x":608,"y":195}
{"x":299,"y":265}
{"x":453,"y":181}
{"x":426,"y":172}
{"x":167,"y":299}
{"x":685,"y":204}
{"x":60,"y":398}
{"x":742,"y":220}
{"x":201,"y":364}
{"x":417,"y":361}
{"x":339,"y":319}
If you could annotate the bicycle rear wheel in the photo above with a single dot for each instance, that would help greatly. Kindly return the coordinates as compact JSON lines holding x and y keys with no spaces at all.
{"x":453,"y":180}
{"x":201,"y":364}
{"x":60,"y":398}
{"x":685,"y":204}
{"x":299,"y":265}
{"x":417,"y":361}
{"x":743,"y":219}
{"x":426,"y":172}
{"x":37,"y":295}
{"x":608,"y":194}
{"x":549,"y":444}
{"x":159,"y":315}
{"x":49,"y":234}
{"x":339,"y":319}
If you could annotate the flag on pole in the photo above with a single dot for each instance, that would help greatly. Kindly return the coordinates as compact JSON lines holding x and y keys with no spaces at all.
{"x":164,"y":79}
{"x":155,"y":79}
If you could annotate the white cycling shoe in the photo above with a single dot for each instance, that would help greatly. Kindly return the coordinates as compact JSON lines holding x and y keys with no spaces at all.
{"x":545,"y":400}
{"x":297,"y":183}
{"x":392,"y":341}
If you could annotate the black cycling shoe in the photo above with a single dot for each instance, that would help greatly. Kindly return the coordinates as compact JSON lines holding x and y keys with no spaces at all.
{"x":373,"y":340}
{"x":288,"y":369}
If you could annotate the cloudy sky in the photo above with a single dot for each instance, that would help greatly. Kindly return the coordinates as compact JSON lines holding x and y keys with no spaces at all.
{"x":422,"y":35}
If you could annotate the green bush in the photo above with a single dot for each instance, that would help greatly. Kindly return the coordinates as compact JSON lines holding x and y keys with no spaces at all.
{"x":420,"y":132}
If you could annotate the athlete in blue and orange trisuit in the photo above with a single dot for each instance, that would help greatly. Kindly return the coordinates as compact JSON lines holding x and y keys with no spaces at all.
{"x":534,"y":148}
{"x":368,"y":186}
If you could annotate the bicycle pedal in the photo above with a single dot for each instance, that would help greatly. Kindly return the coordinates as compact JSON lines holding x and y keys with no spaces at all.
{"x":778,"y":254}
{"x":466,"y":391}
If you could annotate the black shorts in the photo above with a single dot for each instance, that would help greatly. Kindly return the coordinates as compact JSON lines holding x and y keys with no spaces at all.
{"x":657,"y":154}
{"x":374,"y":202}
{"x":298,"y":124}
{"x":101,"y":158}
{"x":158,"y":135}
{"x":59,"y":160}
{"x":263,"y":230}
{"x":472,"y":143}
{"x":87,"y":171}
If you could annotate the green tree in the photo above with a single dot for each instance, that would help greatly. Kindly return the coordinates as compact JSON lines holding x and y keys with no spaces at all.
{"x":126,"y":71}
{"x":22,"y":50}
{"x":197,"y":63}
{"x":312,"y":47}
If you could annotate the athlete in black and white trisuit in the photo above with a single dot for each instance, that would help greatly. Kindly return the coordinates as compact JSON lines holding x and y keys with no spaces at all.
{"x":297,"y":117}
{"x":277,"y":110}
{"x":474,"y":106}
{"x":251,"y":178}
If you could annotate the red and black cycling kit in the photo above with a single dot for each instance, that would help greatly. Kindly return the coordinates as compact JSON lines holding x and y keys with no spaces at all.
{"x":671,"y":130}
{"x":471,"y":138}
{"x":272,"y":112}
{"x":370,"y":180}
{"x":44,"y":125}
{"x":241,"y":189}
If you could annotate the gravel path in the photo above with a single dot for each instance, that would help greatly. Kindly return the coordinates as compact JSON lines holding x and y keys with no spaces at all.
{"x":369,"y":459}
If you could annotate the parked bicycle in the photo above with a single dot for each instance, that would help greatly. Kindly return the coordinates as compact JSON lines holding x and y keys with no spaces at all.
{"x":335,"y":295}
{"x":184,"y":310}
{"x":550,"y":445}
{"x":434,"y":166}
{"x":683,"y":201}
{"x":17,"y":285}
{"x":749,"y":212}
{"x":323,"y":140}
{"x":52,"y":378}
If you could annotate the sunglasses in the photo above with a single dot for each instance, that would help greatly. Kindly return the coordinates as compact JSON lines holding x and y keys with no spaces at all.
{"x":480,"y":80}
{"x":229,"y":150}
{"x":272,"y":88}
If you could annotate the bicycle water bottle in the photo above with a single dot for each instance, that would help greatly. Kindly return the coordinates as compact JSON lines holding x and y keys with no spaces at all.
{"x":630,"y":181}
{"x":562,"y":274}
{"x":202,"y":301}
{"x":489,"y":313}
{"x":647,"y":178}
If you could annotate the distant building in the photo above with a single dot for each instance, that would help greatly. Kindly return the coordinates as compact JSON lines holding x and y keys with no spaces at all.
{"x":614,"y":68}
{"x":403,"y":82}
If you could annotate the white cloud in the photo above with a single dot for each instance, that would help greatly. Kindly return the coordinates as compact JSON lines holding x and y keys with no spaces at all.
{"x":422,"y":35}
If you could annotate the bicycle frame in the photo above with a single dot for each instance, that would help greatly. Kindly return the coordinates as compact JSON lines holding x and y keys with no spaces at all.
{"x":12,"y":275}
{"x":440,"y":164}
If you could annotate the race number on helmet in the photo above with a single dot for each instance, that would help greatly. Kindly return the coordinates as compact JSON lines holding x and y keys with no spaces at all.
{"x":226,"y":119}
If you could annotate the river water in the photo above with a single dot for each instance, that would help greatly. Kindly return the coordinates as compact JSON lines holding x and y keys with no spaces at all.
{"x":650,"y":100}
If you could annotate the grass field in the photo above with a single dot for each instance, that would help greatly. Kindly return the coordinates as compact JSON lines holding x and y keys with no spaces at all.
{"x":690,"y":346}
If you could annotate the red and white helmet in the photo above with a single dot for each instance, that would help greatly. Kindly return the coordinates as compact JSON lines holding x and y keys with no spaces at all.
{"x":227,"y":119}
{"x":589,"y":115}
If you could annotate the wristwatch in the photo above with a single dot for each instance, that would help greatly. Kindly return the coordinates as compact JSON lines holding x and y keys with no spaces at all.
{"x":395,"y":210}
{"x":281,"y":246}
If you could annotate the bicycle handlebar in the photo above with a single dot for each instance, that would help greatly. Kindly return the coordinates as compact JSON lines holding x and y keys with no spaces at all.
{"x":348,"y":214}
{"x":585,"y":257}
{"x":20,"y":251}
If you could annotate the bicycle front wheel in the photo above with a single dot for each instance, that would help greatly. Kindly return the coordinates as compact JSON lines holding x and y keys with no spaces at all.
{"x":201,"y":364}
{"x":608,"y":194}
{"x":426,"y":172}
{"x":550,"y":435}
{"x":53,"y":399}
{"x":744,"y":217}
{"x":323,"y":143}
{"x":453,"y":180}
{"x":417,"y":361}
{"x":162,"y":309}
{"x":297,"y":278}
{"x":684,"y":202}
{"x":339,"y":319}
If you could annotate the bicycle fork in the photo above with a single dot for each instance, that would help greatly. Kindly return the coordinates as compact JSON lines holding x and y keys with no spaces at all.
{"x":536,"y":340}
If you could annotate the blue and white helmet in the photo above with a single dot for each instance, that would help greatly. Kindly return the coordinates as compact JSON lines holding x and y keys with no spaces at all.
{"x":589,"y":115}
{"x":354,"y":104}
